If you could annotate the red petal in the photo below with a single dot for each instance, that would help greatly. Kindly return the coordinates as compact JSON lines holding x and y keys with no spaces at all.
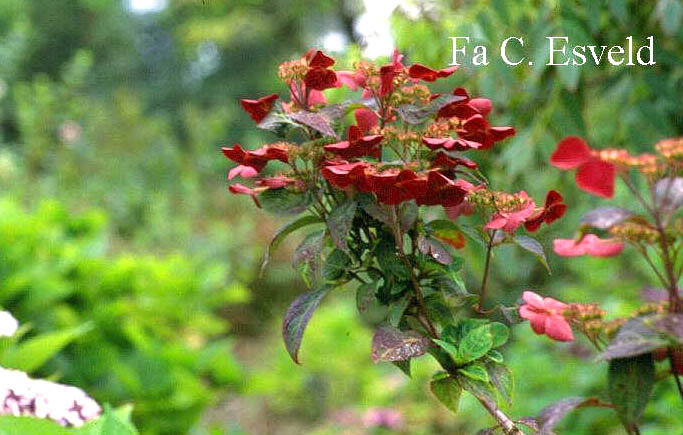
{"x":482,"y":105}
{"x":536,"y":319}
{"x":319,"y":59}
{"x":320,"y":79}
{"x":597,"y":247}
{"x":571,"y":152}
{"x":386,"y":75}
{"x":533,"y":299}
{"x":557,"y":328}
{"x":259,"y":109}
{"x":366,"y":119}
{"x":596,"y":177}
{"x":421,"y":72}
{"x":568,"y":248}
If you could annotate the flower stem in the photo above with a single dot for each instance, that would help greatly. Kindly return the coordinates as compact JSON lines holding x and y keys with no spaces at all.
{"x":485,"y":278}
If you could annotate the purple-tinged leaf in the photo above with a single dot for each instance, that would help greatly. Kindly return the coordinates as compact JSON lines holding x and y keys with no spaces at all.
{"x":551,"y":415}
{"x":370,"y":205}
{"x":413,"y":114}
{"x":340,"y":221}
{"x":283,"y":232}
{"x":297,"y":317}
{"x":630,"y":382}
{"x":391,"y":344}
{"x":434,"y":249}
{"x":654,"y":295}
{"x":635,"y":337}
{"x":668,"y":193}
{"x":408,"y":215}
{"x":336,"y":111}
{"x":316,"y":121}
{"x":670,"y":325}
{"x":501,"y":378}
{"x":605,"y":217}
{"x":530,"y":244}
{"x":307,"y":256}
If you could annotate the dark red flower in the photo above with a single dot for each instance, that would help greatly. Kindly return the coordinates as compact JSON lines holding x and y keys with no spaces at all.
{"x":592,"y":174}
{"x":356,"y":145}
{"x":252,"y":162}
{"x":386,"y":77}
{"x":317,"y":58}
{"x":366,"y":119}
{"x":259,"y":109}
{"x":434,"y":188}
{"x":553,"y":210}
{"x":421,"y":72}
{"x":449,"y":143}
{"x":319,"y":78}
{"x":446,"y":162}
{"x":387,"y":185}
{"x":352,"y":79}
{"x":339,"y":173}
{"x":478,"y":129}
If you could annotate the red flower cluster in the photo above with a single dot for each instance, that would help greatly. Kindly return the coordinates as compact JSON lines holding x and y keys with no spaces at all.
{"x":545,"y":316}
{"x":250,"y":163}
{"x":593,"y":174}
{"x":259,"y":109}
{"x":356,"y":145}
{"x":552,"y":211}
{"x":393,"y":185}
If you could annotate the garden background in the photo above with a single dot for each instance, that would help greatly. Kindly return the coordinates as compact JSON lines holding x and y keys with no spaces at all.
{"x":118,"y":236}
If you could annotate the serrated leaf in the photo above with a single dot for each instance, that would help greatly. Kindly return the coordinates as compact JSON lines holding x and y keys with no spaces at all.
{"x":396,"y":310}
{"x":336,"y":265}
{"x":449,"y":348}
{"x":282,"y":233}
{"x":297,"y":317}
{"x":391,"y":344}
{"x":532,"y":245}
{"x":474,"y":345}
{"x":109,"y":423}
{"x":495,"y":356}
{"x":501,"y":378}
{"x":447,"y":390}
{"x":630,"y":382}
{"x":479,"y":389}
{"x":605,"y":217}
{"x":475,"y":371}
{"x":340,"y":222}
{"x":389,"y":262}
{"x":316,"y":121}
{"x":633,"y":338}
{"x":404,"y":366}
{"x":447,"y":232}
{"x":413,"y":114}
{"x":370,"y":205}
{"x":408,"y":213}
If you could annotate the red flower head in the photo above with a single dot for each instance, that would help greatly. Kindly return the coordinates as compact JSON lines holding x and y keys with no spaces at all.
{"x":478,"y":129}
{"x":366,"y":119}
{"x":545,"y":316}
{"x":356,"y":145}
{"x":352,"y":79}
{"x":592,"y":174}
{"x":434,"y":188}
{"x":259,"y":109}
{"x":421,"y":72}
{"x":318,"y":59}
{"x":343,"y":174}
{"x":446,"y":162}
{"x":590,"y":244}
{"x":449,"y":143}
{"x":388,"y":185}
{"x":252,"y":162}
{"x":319,"y":77}
{"x":512,"y":213}
{"x":386,"y":77}
{"x":553,"y":210}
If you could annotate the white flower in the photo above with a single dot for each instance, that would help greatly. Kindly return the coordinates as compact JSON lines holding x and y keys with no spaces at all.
{"x":8,"y":324}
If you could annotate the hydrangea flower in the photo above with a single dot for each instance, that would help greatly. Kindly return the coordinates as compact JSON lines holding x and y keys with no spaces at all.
{"x":590,"y":244}
{"x":545,"y":316}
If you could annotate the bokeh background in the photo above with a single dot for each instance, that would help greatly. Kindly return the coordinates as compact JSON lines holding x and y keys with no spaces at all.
{"x":118,"y":235}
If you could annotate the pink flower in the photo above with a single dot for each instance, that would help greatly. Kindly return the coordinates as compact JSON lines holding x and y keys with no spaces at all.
{"x":545,"y":316}
{"x":590,"y":244}
{"x":510,"y":218}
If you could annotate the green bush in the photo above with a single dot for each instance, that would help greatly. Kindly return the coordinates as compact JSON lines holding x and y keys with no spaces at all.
{"x":155,"y":337}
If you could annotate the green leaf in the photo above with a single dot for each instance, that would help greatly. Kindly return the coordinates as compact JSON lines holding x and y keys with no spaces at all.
{"x":370,"y":205}
{"x":464,"y":326}
{"x":501,"y":378}
{"x":297,"y":317}
{"x":109,"y":423}
{"x":282,"y":233}
{"x":340,"y":221}
{"x":389,"y":263}
{"x":307,"y":255}
{"x":475,"y":371}
{"x":630,"y":382}
{"x":499,"y":333}
{"x":396,"y":311}
{"x":495,"y":356}
{"x":284,"y":201}
{"x":370,"y":309}
{"x":408,"y":213}
{"x":31,"y":354}
{"x":391,"y":344}
{"x":10,"y":425}
{"x":451,"y":349}
{"x":532,"y":245}
{"x":474,"y":234}
{"x":476,"y":344}
{"x":404,"y":366}
{"x":447,"y":390}
{"x":336,"y":265}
